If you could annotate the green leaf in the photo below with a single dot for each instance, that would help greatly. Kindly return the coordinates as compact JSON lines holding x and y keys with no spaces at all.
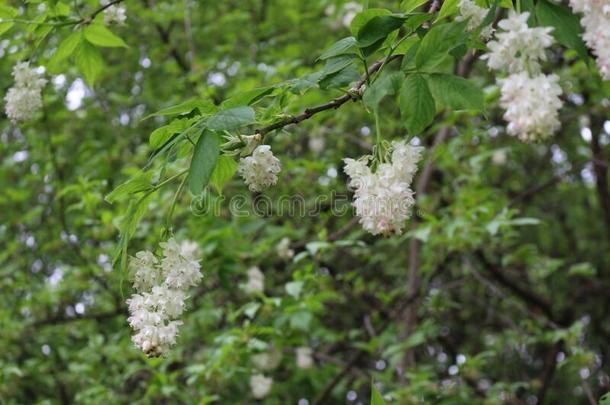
{"x":231,"y":119}
{"x":376,"y":397}
{"x":438,"y":41}
{"x":341,"y":47}
{"x":204,"y":161}
{"x":362,"y":18}
{"x":134,"y":185}
{"x":409,"y":5}
{"x":248,"y":97}
{"x":337,"y":63}
{"x":386,"y":85}
{"x":605,"y":399}
{"x":341,"y":78}
{"x":223,"y":172}
{"x":89,"y":62}
{"x":567,"y":30}
{"x":377,"y":29}
{"x":204,"y":107}
{"x":161,"y":135}
{"x":66,"y":47}
{"x":416,"y":104}
{"x":294,"y":288}
{"x":448,"y":8}
{"x":7,"y":12}
{"x":100,"y":35}
{"x":455,"y":92}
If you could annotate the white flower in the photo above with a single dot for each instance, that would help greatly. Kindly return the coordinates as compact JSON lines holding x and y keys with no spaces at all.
{"x":115,"y":14}
{"x":161,"y":299}
{"x":596,"y":24}
{"x":316,"y":143}
{"x":518,"y":47}
{"x":256,"y":281}
{"x":179,"y":266}
{"x":144,"y":272}
{"x":499,"y":157}
{"x":267,"y":360}
{"x":350,"y":10}
{"x":24,"y":99}
{"x":283,"y":249}
{"x":304,"y":357}
{"x":260,"y":385}
{"x":532,"y":105}
{"x":260,"y":170}
{"x":475,"y":16}
{"x":383,"y":199}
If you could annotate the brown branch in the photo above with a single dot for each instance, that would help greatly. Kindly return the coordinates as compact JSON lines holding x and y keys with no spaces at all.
{"x":164,"y":34}
{"x":87,"y":20}
{"x":353,"y":94}
{"x":600,"y":167}
{"x":550,"y":364}
{"x":328,"y":389}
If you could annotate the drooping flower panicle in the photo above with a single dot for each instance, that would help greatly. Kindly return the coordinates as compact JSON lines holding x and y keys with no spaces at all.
{"x":260,"y":170}
{"x":475,"y":15}
{"x":383,"y":199}
{"x":162,"y":286}
{"x":531,"y":98}
{"x":260,"y":386}
{"x":115,"y":14}
{"x":596,"y":24}
{"x":24,"y":99}
{"x":517,"y":47}
{"x":256,"y":281}
{"x":532,"y":105}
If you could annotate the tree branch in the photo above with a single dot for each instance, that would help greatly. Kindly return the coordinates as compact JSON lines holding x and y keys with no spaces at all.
{"x":353,"y":94}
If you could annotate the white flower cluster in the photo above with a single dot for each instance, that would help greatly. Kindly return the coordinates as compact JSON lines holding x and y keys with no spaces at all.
{"x":267,"y":360}
{"x":283,"y":249}
{"x":260,"y":385}
{"x":162,"y":286}
{"x":517,"y":47}
{"x":530,"y":98}
{"x":115,"y":14}
{"x":260,"y":170}
{"x":383,"y":199}
{"x":256,"y":281}
{"x":531,"y":104}
{"x":24,"y":99}
{"x":475,"y":15}
{"x":596,"y":23}
{"x":304,"y":357}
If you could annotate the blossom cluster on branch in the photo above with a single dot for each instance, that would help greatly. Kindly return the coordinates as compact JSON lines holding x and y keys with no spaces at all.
{"x":162,"y":286}
{"x":24,"y":99}
{"x":383,"y":198}
{"x":260,"y":170}
{"x":530,"y":98}
{"x":596,"y":23}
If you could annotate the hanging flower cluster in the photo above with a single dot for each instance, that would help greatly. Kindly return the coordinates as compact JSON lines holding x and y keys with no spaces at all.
{"x":383,"y":199}
{"x":530,"y":98}
{"x":531,"y":105}
{"x":256,"y":281}
{"x":596,"y":23}
{"x":260,"y":170}
{"x":24,"y":99}
{"x":471,"y":12}
{"x":283,"y":249}
{"x":115,"y":15}
{"x":304,"y":357}
{"x":162,"y":286}
{"x":260,"y":385}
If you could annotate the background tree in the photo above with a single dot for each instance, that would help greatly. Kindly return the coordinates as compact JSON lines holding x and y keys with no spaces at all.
{"x":496,"y":292}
